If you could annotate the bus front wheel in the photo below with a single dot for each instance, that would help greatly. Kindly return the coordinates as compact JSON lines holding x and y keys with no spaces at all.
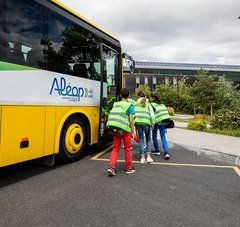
{"x":73,"y":140}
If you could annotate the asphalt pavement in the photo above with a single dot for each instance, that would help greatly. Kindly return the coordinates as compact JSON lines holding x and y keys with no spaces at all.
{"x":187,"y":190}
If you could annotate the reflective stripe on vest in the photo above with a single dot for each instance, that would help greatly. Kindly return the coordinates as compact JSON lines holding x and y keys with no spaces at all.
{"x":142,"y":114}
{"x":161,"y":112}
{"x":118,"y":117}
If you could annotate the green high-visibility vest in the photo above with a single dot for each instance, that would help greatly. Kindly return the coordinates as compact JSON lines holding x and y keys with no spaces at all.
{"x":161,"y":112}
{"x":131,"y":101}
{"x":142,"y":114}
{"x":118,"y":116}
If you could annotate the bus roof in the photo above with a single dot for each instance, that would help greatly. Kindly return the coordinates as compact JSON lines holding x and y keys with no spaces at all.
{"x":68,"y":9}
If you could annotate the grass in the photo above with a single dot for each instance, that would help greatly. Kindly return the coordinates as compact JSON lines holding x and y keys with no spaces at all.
{"x":225,"y":132}
{"x":185,"y":120}
{"x":181,"y":119}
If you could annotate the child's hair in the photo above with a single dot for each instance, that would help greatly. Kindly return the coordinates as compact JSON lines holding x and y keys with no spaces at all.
{"x":142,"y":95}
{"x":124,"y":93}
{"x":156,"y":99}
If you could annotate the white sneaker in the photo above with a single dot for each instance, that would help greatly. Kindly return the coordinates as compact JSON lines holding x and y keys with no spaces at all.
{"x":166,"y":156}
{"x":142,"y":160}
{"x":156,"y":153}
{"x":149,"y":159}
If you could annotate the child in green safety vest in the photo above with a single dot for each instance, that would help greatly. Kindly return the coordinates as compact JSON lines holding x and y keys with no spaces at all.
{"x":161,"y":114}
{"x":144,"y":118}
{"x":121,"y":119}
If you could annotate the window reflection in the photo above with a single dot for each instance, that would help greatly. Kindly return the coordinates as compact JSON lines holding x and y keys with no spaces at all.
{"x":43,"y":39}
{"x":22,"y":34}
{"x":109,"y":85}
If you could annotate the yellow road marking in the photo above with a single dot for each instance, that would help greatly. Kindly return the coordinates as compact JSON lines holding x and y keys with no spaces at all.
{"x":191,"y":165}
{"x":237,"y":170}
{"x":102,"y":153}
{"x":172,"y":164}
{"x":97,"y":158}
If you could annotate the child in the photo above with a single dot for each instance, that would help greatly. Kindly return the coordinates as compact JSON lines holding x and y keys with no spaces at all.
{"x":121,"y":119}
{"x":143,"y":122}
{"x":161,"y":114}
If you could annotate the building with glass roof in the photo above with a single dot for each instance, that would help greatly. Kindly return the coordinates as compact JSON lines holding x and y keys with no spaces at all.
{"x":154,"y":73}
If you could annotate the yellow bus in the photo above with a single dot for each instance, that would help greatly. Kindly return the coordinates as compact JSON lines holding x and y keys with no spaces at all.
{"x":59,"y":74}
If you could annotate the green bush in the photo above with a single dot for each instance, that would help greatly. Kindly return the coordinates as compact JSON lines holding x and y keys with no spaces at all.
{"x":170,"y":111}
{"x":226,"y":119}
{"x":198,"y":125}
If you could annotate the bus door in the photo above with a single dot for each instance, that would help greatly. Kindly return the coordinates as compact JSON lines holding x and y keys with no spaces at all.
{"x":109,"y":87}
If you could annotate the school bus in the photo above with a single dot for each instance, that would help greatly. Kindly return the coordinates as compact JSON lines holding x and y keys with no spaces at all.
{"x":59,"y":74}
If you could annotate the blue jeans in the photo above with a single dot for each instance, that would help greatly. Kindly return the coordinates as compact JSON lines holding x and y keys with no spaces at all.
{"x":146,"y":130}
{"x":162,"y":129}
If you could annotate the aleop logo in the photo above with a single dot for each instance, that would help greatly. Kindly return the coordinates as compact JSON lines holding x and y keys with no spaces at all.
{"x":72,"y":93}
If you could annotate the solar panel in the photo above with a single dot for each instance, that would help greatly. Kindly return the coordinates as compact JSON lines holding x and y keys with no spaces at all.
{"x":185,"y":65}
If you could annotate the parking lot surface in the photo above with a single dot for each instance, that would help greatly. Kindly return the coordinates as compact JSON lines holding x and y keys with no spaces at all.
{"x":187,"y":190}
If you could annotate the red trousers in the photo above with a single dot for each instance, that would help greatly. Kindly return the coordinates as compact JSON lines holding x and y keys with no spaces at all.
{"x":126,"y":137}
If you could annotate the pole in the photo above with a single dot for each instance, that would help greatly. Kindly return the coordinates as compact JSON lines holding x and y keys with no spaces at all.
{"x":211,"y":110}
{"x":177,"y":94}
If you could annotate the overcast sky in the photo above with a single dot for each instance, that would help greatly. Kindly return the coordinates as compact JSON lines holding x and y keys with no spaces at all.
{"x":193,"y":31}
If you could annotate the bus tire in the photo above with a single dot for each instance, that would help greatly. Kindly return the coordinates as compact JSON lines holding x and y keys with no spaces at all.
{"x":73,"y":140}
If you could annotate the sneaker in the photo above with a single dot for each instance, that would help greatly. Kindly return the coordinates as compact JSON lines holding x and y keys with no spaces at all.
{"x":156,"y":153}
{"x":111,"y":172}
{"x":129,"y":171}
{"x":166,"y":156}
{"x":142,"y":160}
{"x":149,"y":159}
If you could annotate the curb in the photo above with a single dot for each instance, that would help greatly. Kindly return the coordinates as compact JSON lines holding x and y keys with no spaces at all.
{"x":216,"y":155}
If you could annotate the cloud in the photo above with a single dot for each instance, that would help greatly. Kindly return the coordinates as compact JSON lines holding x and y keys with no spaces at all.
{"x":205,"y":31}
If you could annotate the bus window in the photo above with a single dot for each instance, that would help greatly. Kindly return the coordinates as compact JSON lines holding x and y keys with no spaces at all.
{"x":22,"y":33}
{"x":1,"y":28}
{"x":109,"y":70}
{"x":109,"y":59}
{"x":72,"y":49}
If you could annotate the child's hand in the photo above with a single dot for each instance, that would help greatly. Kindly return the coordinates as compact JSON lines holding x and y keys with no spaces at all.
{"x":135,"y":137}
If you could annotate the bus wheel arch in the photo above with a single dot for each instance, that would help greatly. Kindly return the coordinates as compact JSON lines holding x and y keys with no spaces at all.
{"x":74,"y":137}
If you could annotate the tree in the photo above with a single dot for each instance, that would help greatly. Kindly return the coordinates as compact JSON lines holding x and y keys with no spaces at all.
{"x":167,"y":94}
{"x":203,"y":90}
{"x":227,"y":96}
{"x":185,"y":99}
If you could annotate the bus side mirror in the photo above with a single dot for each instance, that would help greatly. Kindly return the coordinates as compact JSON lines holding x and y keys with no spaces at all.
{"x":128,"y":63}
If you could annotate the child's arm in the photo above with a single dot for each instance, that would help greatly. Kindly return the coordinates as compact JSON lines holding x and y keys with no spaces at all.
{"x":152,"y":114}
{"x":132,"y":125}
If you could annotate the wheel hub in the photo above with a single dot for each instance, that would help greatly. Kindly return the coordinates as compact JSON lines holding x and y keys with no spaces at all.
{"x":74,"y":138}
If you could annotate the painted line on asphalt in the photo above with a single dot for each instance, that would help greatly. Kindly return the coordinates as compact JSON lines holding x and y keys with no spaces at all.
{"x":97,"y":158}
{"x":237,"y":170}
{"x":101,"y":153}
{"x":172,"y":164}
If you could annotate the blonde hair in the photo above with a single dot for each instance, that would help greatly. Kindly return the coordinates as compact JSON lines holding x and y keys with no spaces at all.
{"x":142,"y":95}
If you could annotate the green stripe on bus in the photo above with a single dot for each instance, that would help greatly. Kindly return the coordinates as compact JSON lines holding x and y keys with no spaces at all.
{"x":11,"y":66}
